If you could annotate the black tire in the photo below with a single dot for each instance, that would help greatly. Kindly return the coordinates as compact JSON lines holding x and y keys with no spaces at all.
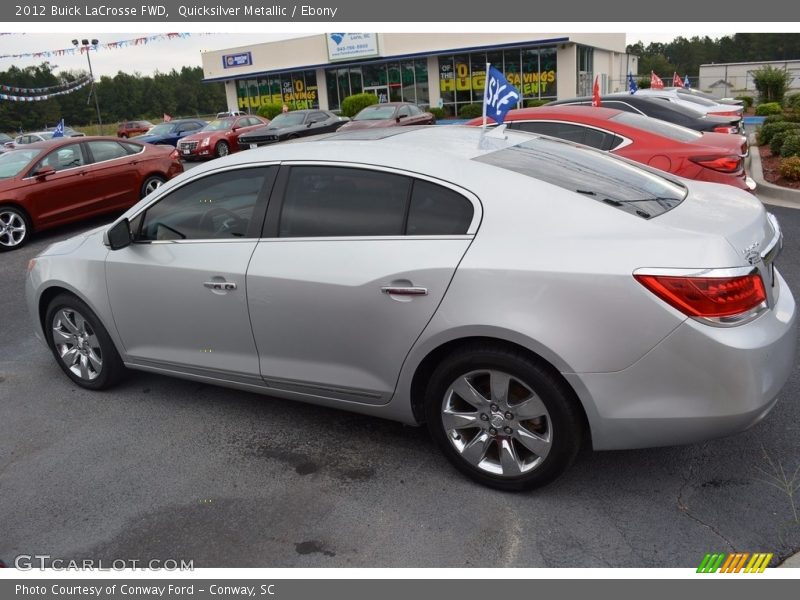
{"x":15,"y":228}
{"x":75,"y":319}
{"x":562,"y":427}
{"x":150,"y":185}
{"x":124,"y":135}
{"x":222,"y":149}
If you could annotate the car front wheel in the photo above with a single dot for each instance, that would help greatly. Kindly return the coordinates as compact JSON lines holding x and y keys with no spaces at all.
{"x":222,"y":149}
{"x":503,"y":419}
{"x":15,"y":228}
{"x":81,"y":345}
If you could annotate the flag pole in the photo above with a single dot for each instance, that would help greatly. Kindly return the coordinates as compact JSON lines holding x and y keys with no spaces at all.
{"x":485,"y":91}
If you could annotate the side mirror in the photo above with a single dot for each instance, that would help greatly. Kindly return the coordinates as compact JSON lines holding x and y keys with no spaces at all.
{"x":119,"y":236}
{"x":45,"y":171}
{"x":310,"y":123}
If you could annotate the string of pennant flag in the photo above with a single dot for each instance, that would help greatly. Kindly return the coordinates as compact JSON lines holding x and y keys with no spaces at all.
{"x":44,"y":90}
{"x":139,"y":41}
{"x":76,"y":85}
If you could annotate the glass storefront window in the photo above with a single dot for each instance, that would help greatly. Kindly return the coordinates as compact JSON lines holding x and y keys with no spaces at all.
{"x":548,"y":81}
{"x":407,"y":78}
{"x":334,"y":102}
{"x":421,"y":82}
{"x":374,"y":75}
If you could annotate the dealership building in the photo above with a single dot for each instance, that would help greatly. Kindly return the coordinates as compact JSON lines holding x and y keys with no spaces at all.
{"x":429,"y":69}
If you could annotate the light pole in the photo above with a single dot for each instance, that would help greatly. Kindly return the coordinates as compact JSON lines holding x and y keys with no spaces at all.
{"x":84,"y":43}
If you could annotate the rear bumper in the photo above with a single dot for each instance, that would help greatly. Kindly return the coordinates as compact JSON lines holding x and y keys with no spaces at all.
{"x":699,"y":383}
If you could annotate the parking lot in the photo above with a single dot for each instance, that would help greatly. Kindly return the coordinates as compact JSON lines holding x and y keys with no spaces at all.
{"x":161,"y":468}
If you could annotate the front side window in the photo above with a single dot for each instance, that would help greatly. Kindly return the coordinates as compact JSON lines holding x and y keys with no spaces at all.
{"x":218,"y":206}
{"x":66,"y":157}
{"x":336,"y":201}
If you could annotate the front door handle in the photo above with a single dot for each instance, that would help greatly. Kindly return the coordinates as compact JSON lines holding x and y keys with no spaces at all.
{"x":223,"y":286}
{"x":404,"y":290}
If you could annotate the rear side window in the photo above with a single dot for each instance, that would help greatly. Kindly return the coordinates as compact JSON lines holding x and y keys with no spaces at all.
{"x":132,"y":148}
{"x":437,"y":210}
{"x":596,"y":175}
{"x":325,"y":201}
{"x":602,"y":140}
{"x":106,"y":150}
{"x":335,"y":201}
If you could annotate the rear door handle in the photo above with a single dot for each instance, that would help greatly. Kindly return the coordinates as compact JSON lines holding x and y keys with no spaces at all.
{"x":220,"y":285}
{"x":404,"y":290}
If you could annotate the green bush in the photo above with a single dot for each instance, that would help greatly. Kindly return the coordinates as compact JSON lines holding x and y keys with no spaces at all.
{"x":775,"y":119}
{"x":470,"y":111}
{"x":791,"y":144}
{"x":776,"y":143}
{"x":748,"y":101}
{"x":535,"y":103}
{"x":770,"y":129}
{"x":436,"y":112}
{"x":771,"y":83}
{"x":270,"y":110}
{"x":769,"y":108}
{"x":790,"y":168}
{"x":352,"y":105}
{"x":792,"y":102}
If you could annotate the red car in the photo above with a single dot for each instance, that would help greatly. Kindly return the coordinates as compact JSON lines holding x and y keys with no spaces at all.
{"x":58,"y":181}
{"x":389,"y":114}
{"x":219,"y":137}
{"x":715,"y":157}
{"x":128,"y":129}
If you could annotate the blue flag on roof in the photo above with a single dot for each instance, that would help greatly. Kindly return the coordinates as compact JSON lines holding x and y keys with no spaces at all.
{"x":500,"y":96}
{"x":632,"y":87}
{"x":686,"y":83}
{"x":59,"y":132}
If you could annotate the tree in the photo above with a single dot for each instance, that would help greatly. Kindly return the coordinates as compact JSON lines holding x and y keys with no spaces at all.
{"x":771,"y":83}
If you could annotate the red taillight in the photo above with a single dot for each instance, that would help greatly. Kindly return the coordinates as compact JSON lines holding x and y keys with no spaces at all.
{"x":725,"y":129}
{"x":174,"y":155}
{"x":707,"y":296}
{"x":725,"y":164}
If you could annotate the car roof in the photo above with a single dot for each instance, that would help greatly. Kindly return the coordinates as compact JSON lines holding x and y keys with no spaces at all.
{"x":75,"y":140}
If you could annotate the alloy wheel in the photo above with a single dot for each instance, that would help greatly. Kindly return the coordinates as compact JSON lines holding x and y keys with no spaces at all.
{"x":496,"y":423}
{"x":12,"y":228}
{"x":76,"y":344}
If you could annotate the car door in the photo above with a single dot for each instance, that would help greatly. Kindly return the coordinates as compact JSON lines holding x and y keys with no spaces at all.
{"x":112,"y":173}
{"x":67,"y":193}
{"x":352,"y":266}
{"x":178,"y":292}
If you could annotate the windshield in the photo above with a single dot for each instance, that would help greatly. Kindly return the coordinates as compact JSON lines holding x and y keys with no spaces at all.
{"x":219,"y":125}
{"x":287,"y":120}
{"x":375,"y":113}
{"x":161,"y":129}
{"x":659,"y":127}
{"x":595,"y":174}
{"x":12,"y":163}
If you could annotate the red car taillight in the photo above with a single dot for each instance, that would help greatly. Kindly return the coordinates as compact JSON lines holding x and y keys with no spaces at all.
{"x":709,"y":297}
{"x":725,"y":129}
{"x":724,"y":164}
{"x":174,"y":155}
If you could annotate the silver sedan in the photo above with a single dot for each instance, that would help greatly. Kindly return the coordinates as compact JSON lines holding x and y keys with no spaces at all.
{"x":521,"y":296}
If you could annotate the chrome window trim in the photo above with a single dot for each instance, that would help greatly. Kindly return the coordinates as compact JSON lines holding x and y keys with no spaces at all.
{"x":477,"y":213}
{"x":91,"y":164}
{"x":775,"y":245}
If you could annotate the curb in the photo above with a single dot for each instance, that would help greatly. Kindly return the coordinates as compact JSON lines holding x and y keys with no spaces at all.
{"x":793,"y":562}
{"x":767,"y":192}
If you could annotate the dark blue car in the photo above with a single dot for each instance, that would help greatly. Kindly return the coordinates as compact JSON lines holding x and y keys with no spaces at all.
{"x":169,"y":132}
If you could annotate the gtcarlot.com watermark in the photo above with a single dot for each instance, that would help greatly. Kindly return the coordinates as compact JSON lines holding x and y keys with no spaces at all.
{"x":29,"y":562}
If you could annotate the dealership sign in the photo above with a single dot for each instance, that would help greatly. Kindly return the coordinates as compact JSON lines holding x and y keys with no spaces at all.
{"x":243,"y":59}
{"x":342,"y":46}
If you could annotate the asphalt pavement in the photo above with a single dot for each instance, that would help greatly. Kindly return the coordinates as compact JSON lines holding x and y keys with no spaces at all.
{"x":161,"y":468}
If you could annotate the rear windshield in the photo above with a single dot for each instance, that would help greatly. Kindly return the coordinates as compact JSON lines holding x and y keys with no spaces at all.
{"x":592,"y":173}
{"x":659,"y":127}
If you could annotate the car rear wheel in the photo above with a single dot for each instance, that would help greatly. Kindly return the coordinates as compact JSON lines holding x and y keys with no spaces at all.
{"x":123,"y":135}
{"x":502,"y":419}
{"x":15,"y":228}
{"x":81,"y":345}
{"x":151,"y":184}
{"x":222,"y":149}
